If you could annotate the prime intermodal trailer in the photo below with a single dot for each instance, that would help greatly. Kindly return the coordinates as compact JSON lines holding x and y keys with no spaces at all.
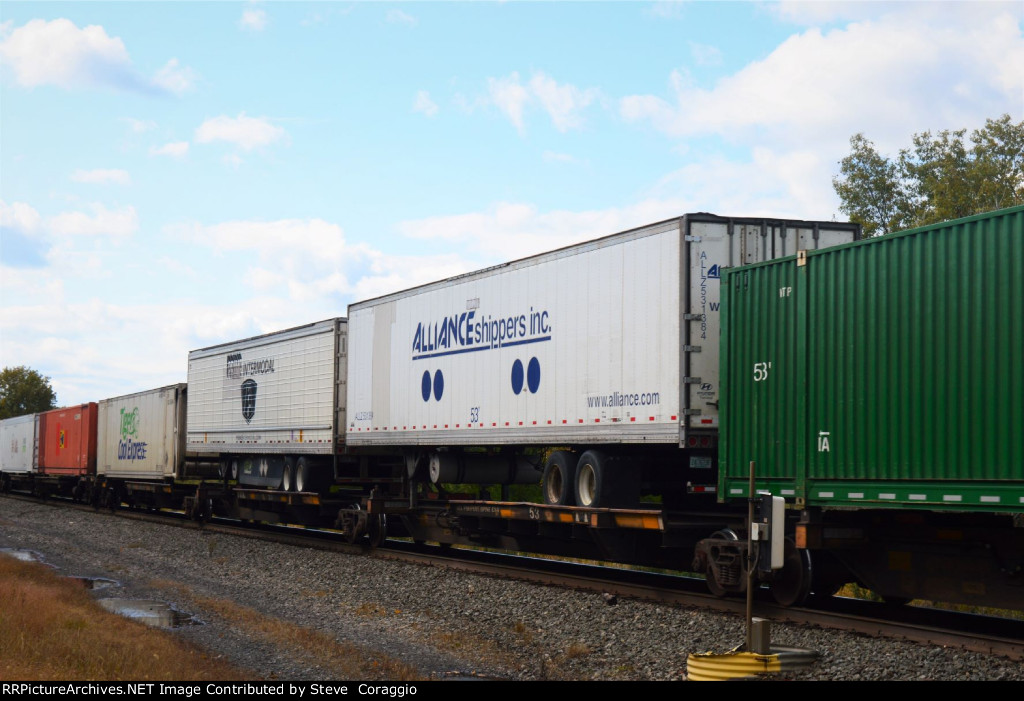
{"x":271,"y":409}
{"x":879,"y":387}
{"x":606,"y":350}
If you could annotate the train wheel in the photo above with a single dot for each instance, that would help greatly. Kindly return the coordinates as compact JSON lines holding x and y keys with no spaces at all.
{"x":559,"y":478}
{"x":711,"y":574}
{"x":593,"y":481}
{"x":792,"y":584}
{"x":377,"y":530}
{"x":288,"y":477}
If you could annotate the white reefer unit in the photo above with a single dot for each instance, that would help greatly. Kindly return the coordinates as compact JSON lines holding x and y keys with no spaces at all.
{"x":142,"y":435}
{"x":281,"y":393}
{"x":18,"y":444}
{"x":613,"y":341}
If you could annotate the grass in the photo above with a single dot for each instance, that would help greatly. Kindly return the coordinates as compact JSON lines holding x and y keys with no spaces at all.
{"x":52,"y":628}
{"x":340,"y":660}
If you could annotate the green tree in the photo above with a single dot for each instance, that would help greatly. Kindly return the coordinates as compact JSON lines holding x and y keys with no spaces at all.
{"x":940,"y":177}
{"x":24,"y":391}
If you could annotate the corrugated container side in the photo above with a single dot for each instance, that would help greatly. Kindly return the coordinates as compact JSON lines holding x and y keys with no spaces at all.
{"x":278,"y":393}
{"x":908,"y":369}
{"x":142,"y":435}
{"x":67,"y":441}
{"x":17,"y":444}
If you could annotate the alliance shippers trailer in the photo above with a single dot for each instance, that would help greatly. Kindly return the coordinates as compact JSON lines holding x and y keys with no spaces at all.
{"x":606,"y":350}
{"x":270,"y":409}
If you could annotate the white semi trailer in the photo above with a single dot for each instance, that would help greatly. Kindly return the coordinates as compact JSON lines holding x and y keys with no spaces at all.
{"x":595,"y":366}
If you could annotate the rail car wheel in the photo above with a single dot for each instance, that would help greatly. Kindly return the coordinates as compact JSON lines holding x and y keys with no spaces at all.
{"x":792,"y":584}
{"x":288,"y":476}
{"x":723,"y":571}
{"x":377,"y":529}
{"x":594,"y":480}
{"x":559,"y":478}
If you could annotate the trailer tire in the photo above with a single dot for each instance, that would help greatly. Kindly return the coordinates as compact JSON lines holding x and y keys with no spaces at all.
{"x":595,"y":480}
{"x":288,"y":476}
{"x":307,"y":475}
{"x":559,"y":480}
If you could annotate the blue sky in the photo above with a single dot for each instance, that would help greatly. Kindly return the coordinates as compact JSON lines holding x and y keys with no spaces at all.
{"x":175,"y":175}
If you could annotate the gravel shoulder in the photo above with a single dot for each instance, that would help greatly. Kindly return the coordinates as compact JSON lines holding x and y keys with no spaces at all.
{"x":430,"y":622}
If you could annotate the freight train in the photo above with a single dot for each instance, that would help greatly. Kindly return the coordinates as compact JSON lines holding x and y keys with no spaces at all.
{"x":877,"y":385}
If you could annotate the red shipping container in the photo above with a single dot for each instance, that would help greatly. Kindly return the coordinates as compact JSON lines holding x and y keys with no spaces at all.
{"x":67,"y":440}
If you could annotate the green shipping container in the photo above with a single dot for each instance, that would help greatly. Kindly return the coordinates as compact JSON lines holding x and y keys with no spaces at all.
{"x":883,"y":373}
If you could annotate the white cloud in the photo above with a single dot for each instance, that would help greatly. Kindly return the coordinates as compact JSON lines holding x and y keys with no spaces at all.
{"x":705,"y":55}
{"x":253,"y":20}
{"x":174,"y":78}
{"x":102,"y":222}
{"x":424,"y":104}
{"x":399,"y":17}
{"x":59,"y":53}
{"x":139,"y":126}
{"x":19,"y":217}
{"x":102,"y":177}
{"x":245,"y":132}
{"x":510,"y":230}
{"x":563,"y":102}
{"x":885,"y":72}
{"x":175,"y":149}
{"x":552,"y":157}
{"x":510,"y":97}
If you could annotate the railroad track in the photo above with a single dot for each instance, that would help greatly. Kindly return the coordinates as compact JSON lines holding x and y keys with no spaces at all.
{"x":930,"y":626}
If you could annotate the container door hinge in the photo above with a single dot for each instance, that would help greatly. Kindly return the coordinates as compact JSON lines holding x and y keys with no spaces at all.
{"x":691,"y":349}
{"x":691,"y":380}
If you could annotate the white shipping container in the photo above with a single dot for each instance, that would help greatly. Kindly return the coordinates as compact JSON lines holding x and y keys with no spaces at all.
{"x":610,"y":341}
{"x":280,"y":393}
{"x":142,"y":435}
{"x":18,"y":444}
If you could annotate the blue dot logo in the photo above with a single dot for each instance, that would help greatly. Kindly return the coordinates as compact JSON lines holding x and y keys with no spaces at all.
{"x":533,"y":375}
{"x":425,"y":385}
{"x":517,"y":376}
{"x":438,"y":385}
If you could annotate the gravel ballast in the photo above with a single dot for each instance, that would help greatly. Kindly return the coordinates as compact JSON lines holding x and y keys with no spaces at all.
{"x":442,"y":623}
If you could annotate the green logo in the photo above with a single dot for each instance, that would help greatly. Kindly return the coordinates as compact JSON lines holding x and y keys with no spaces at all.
{"x":129,"y":423}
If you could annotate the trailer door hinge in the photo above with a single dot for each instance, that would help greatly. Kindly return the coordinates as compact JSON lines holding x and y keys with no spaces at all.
{"x":691,"y":237}
{"x":691,"y":412}
{"x":693,"y":317}
{"x":691,"y":380}
{"x":691,"y":349}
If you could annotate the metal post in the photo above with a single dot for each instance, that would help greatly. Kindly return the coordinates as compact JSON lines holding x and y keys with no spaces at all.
{"x":750,"y":561}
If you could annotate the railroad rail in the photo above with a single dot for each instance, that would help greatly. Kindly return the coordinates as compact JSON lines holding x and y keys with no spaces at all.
{"x":920,"y":624}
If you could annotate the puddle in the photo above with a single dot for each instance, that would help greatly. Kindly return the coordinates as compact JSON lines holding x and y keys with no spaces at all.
{"x":95,"y":583}
{"x":23,"y":555}
{"x":158,"y":614}
{"x":469,"y":677}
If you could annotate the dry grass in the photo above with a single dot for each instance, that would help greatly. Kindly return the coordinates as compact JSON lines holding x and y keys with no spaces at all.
{"x":340,"y":660}
{"x":51,"y":628}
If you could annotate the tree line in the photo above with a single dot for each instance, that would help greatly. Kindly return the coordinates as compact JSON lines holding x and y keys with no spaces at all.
{"x":939,"y":177}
